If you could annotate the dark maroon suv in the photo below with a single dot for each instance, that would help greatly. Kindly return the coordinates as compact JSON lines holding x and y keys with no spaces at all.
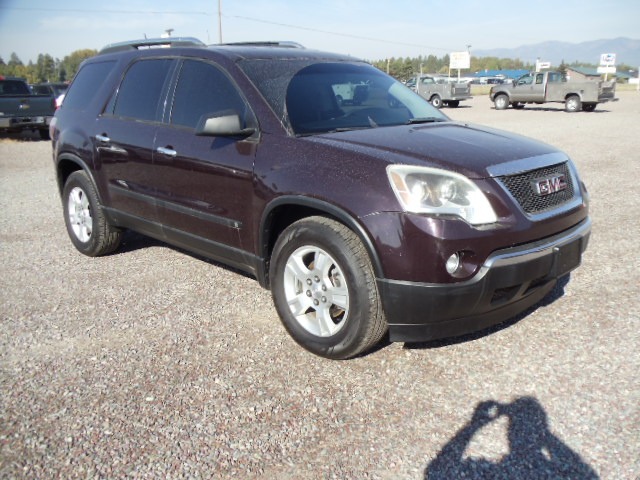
{"x":360,"y":206}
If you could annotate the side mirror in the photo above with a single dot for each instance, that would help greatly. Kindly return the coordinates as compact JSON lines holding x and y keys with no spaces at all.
{"x":222,"y":124}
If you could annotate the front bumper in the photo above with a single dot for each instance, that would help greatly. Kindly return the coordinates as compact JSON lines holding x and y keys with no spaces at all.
{"x":509,"y":282}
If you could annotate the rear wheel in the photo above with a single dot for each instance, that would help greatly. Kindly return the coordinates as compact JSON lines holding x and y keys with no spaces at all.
{"x":324,"y":289}
{"x":589,"y":107}
{"x":87,"y":226}
{"x":501,"y":102}
{"x":572,"y":104}
{"x":517,"y":105}
{"x":453,"y":103}
{"x":436,"y":101}
{"x":44,"y":134}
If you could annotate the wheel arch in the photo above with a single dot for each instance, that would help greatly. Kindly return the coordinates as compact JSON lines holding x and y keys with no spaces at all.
{"x":286,"y":210}
{"x":66,"y":165}
{"x":573,"y":94}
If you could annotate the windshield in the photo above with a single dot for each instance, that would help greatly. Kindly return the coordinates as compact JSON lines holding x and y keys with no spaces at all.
{"x":331,"y":97}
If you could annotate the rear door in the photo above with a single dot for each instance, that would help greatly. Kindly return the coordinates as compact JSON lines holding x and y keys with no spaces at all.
{"x":124,"y":138}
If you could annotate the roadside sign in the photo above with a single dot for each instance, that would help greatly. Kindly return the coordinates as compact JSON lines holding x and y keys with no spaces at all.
{"x":608,"y":59}
{"x":459,"y":60}
{"x":606,"y":69}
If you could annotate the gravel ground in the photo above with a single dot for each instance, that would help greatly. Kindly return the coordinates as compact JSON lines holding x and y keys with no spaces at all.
{"x":153,"y":363}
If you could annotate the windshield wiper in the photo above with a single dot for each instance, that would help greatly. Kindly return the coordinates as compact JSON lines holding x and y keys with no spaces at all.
{"x":414,"y":121}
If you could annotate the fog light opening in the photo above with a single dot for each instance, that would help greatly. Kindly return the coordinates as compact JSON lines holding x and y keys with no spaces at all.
{"x":453,"y":263}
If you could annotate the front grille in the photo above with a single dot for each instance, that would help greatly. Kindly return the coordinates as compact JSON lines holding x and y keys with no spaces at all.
{"x":521,"y":186}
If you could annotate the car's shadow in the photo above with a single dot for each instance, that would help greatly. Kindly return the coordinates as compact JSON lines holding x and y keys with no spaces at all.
{"x":133,"y":241}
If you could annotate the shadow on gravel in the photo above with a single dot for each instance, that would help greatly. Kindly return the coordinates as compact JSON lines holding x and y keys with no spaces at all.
{"x":133,"y":241}
{"x":530,"y":108}
{"x":534,"y":452}
{"x":556,"y":293}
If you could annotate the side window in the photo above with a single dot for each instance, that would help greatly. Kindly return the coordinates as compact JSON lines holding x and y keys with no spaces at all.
{"x":203,"y":89}
{"x":539,"y":78}
{"x":141,"y":90}
{"x":86,"y":84}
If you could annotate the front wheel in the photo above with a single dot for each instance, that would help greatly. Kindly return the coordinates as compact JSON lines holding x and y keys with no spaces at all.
{"x":572,"y":104}
{"x":87,"y":225}
{"x":436,"y":101}
{"x":501,"y":102}
{"x":324,"y":289}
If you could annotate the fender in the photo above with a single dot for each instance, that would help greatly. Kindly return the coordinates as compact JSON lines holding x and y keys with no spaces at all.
{"x":319,"y":206}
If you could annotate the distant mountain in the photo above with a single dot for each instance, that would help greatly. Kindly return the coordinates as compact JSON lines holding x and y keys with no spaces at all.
{"x":627,"y":51}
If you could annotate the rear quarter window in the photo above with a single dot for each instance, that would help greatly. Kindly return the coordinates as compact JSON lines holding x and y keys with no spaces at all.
{"x":86,"y":85}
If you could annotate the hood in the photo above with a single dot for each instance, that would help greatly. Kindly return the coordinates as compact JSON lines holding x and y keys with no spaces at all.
{"x":467,"y":149}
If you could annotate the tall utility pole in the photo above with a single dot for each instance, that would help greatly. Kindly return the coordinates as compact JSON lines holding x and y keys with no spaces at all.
{"x":219,"y":21}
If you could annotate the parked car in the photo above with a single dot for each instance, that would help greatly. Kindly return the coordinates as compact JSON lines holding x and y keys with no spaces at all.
{"x":549,"y":86}
{"x":441,"y":91}
{"x":360,"y":219}
{"x":57,"y":90}
{"x":21,"y":110}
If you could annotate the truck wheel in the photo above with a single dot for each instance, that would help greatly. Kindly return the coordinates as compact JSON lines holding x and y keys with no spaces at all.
{"x":572,"y":104}
{"x":88,"y":227}
{"x":517,"y":105}
{"x":589,"y":107}
{"x":436,"y":101}
{"x":324,"y":289}
{"x":453,"y":103}
{"x":501,"y":102}
{"x":44,"y":134}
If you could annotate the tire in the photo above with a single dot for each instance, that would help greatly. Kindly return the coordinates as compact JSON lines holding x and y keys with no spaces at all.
{"x":87,"y":225}
{"x":589,"y":107}
{"x":324,"y":289}
{"x":501,"y":102}
{"x":436,"y":101}
{"x":517,"y":105}
{"x":453,"y":103}
{"x":572,"y":104}
{"x":44,"y":134}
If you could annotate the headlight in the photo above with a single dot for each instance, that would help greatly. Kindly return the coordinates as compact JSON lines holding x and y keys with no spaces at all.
{"x":439,"y":192}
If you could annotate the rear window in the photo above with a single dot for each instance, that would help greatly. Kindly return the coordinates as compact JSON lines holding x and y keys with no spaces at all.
{"x":13,"y":87}
{"x":140,"y":92}
{"x":86,"y":84}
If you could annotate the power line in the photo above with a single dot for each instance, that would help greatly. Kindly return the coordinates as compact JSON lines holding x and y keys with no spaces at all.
{"x":135,"y":12}
{"x":310,"y":29}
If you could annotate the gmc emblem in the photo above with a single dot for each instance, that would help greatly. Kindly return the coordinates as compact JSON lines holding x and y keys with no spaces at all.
{"x":549,"y":185}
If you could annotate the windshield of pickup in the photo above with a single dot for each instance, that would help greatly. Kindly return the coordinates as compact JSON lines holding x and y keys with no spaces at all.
{"x":332,"y":97}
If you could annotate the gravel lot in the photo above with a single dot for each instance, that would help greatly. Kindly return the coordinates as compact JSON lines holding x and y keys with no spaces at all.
{"x":153,"y":363}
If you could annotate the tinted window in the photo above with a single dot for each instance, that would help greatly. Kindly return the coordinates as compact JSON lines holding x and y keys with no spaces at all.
{"x":203,"y":89}
{"x":328,"y":97}
{"x":86,"y":84}
{"x":11,"y":87}
{"x":140,"y":92}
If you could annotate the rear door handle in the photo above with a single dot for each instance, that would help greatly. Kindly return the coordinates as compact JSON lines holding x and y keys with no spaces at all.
{"x":103,"y":138}
{"x":169,"y":152}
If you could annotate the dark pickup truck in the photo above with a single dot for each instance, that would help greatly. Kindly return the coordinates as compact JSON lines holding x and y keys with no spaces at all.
{"x":22,"y":110}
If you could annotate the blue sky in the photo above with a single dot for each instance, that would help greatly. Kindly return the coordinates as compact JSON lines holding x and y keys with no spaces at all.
{"x":373,"y":29}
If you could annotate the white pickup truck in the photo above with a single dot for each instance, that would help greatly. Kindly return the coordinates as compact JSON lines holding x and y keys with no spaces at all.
{"x":440,"y":91}
{"x":543,"y":87}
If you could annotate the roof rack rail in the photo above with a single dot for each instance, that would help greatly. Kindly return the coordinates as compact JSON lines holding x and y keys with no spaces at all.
{"x":152,"y":43}
{"x":283,"y":44}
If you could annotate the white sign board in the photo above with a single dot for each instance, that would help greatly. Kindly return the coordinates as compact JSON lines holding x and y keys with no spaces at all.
{"x":459,"y":60}
{"x":606,"y":69}
{"x":608,"y":59}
